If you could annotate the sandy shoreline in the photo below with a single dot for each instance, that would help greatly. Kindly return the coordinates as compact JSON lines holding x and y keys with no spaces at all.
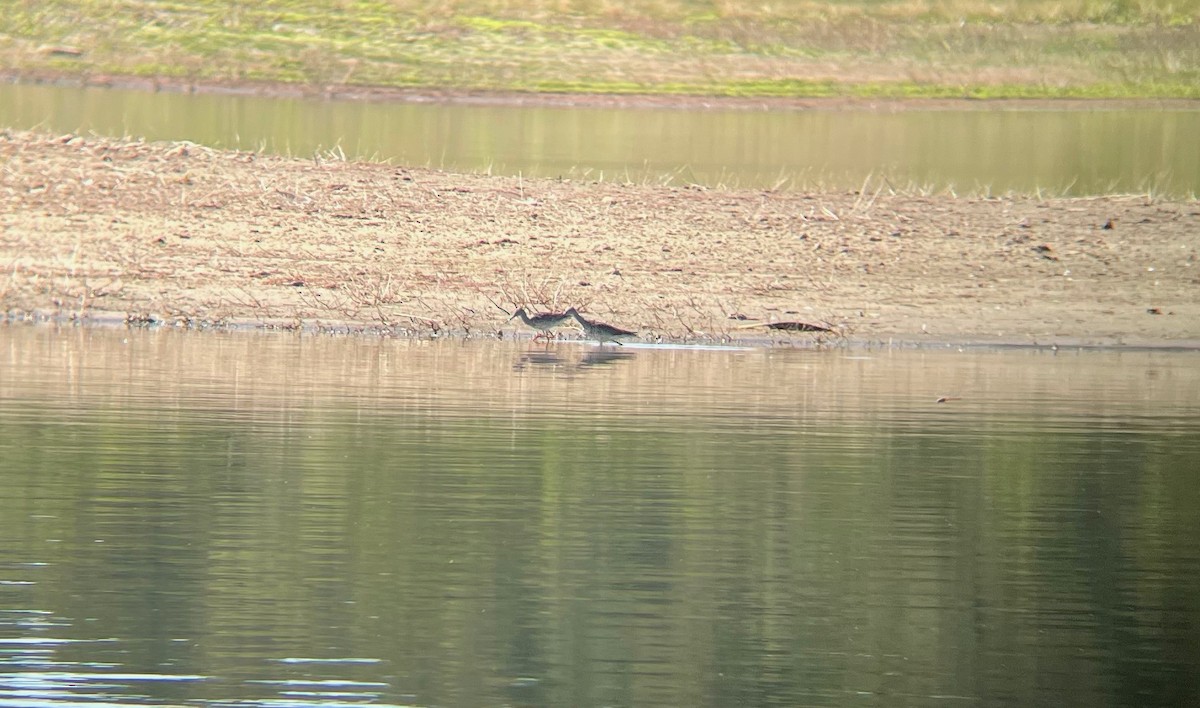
{"x":176,"y":233}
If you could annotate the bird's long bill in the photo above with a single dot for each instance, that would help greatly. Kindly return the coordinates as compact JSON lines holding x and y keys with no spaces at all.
{"x":510,"y":319}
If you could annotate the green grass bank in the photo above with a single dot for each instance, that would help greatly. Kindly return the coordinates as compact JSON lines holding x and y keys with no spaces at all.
{"x":789,"y":48}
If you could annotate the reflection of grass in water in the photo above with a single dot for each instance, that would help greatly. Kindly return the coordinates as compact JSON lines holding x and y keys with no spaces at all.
{"x":890,"y":180}
{"x":957,"y":48}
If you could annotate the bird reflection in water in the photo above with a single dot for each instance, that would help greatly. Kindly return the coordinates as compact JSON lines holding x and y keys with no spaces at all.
{"x":538,"y":358}
{"x":551,"y":359}
{"x":603,"y":357}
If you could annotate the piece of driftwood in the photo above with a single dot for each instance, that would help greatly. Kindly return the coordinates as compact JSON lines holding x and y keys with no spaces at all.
{"x":61,"y":50}
{"x":798,"y":327}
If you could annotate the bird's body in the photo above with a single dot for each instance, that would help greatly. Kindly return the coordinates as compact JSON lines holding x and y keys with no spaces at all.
{"x":543,"y":322}
{"x":600,"y":331}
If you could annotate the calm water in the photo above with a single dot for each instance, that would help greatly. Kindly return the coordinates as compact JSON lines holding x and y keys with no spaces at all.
{"x":210,"y":519}
{"x":1072,"y":152}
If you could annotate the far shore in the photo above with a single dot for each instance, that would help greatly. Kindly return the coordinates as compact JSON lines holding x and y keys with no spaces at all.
{"x":683,"y":101}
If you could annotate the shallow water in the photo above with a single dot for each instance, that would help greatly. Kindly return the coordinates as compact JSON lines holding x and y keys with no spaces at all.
{"x":234,"y":519}
{"x":1072,"y":152}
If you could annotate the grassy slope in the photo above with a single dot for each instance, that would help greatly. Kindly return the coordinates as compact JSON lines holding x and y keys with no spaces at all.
{"x":918,"y":48}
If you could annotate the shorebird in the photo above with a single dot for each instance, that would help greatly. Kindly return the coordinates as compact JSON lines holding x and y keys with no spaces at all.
{"x":543,"y":322}
{"x":598,"y":330}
